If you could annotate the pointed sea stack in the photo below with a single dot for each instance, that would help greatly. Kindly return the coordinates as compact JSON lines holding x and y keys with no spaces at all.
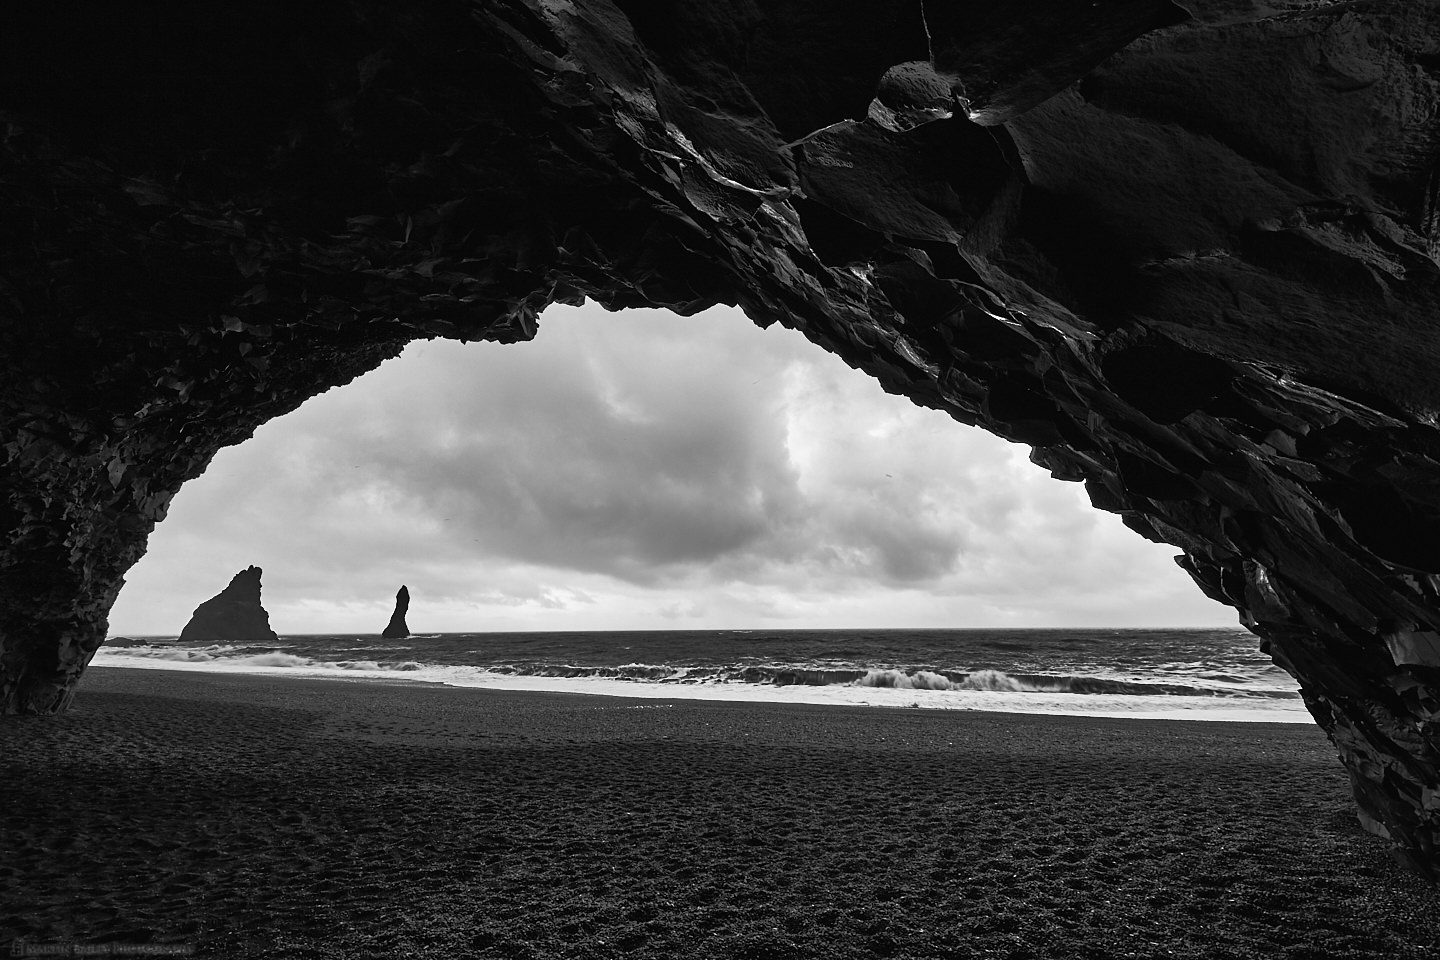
{"x":397,"y":629}
{"x":233,"y":614}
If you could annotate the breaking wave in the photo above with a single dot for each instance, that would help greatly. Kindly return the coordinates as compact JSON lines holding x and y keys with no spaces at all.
{"x":1000,"y":681}
{"x":222,"y":656}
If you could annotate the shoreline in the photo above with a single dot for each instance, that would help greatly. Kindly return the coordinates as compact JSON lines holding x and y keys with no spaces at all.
{"x":1113,"y":706}
{"x":248,"y":817}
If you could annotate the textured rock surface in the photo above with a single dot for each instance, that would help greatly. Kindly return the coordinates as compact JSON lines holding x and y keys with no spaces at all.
{"x":397,"y":628}
{"x":234,"y":615}
{"x":1187,"y":252}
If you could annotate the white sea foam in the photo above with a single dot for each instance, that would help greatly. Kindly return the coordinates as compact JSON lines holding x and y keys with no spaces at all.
{"x":990,"y":691}
{"x":274,"y":659}
{"x":996,"y":680}
{"x":184,"y":654}
{"x":919,"y":680}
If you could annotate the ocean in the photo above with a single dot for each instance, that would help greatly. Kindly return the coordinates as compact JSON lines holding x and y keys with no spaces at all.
{"x":1215,"y":674}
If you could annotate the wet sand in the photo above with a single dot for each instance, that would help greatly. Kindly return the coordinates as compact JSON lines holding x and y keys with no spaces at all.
{"x":259,"y":817}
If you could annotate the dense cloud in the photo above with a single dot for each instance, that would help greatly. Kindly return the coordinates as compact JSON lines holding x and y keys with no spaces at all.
{"x":642,"y":469}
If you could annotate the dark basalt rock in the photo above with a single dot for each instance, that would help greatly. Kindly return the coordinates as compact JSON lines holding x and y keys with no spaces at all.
{"x":1192,"y":261}
{"x":397,"y":629}
{"x":234,"y":615}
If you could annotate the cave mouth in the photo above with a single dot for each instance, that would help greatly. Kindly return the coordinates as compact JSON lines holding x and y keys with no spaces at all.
{"x":652,"y":463}
{"x":686,"y":479}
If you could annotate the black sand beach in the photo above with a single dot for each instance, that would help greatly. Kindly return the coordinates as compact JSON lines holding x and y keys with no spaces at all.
{"x":251,"y":817}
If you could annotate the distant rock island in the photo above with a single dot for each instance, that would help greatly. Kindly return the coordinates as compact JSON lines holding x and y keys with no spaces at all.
{"x":233,"y":614}
{"x":397,"y":628}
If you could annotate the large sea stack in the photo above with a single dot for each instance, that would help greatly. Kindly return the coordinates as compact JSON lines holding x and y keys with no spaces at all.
{"x":1188,"y":252}
{"x":397,"y":628}
{"x":234,"y":615}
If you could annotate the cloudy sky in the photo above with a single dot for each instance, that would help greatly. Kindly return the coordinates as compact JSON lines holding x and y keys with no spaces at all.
{"x":644,"y":471}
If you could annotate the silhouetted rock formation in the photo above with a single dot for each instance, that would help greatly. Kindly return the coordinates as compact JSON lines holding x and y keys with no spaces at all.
{"x":1188,"y":252}
{"x":234,"y":615}
{"x":397,"y":628}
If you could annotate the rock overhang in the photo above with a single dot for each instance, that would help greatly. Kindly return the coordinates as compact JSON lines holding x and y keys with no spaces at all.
{"x":1189,"y":255}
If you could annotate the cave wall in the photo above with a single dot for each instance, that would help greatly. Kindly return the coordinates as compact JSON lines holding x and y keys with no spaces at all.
{"x":1187,"y":252}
